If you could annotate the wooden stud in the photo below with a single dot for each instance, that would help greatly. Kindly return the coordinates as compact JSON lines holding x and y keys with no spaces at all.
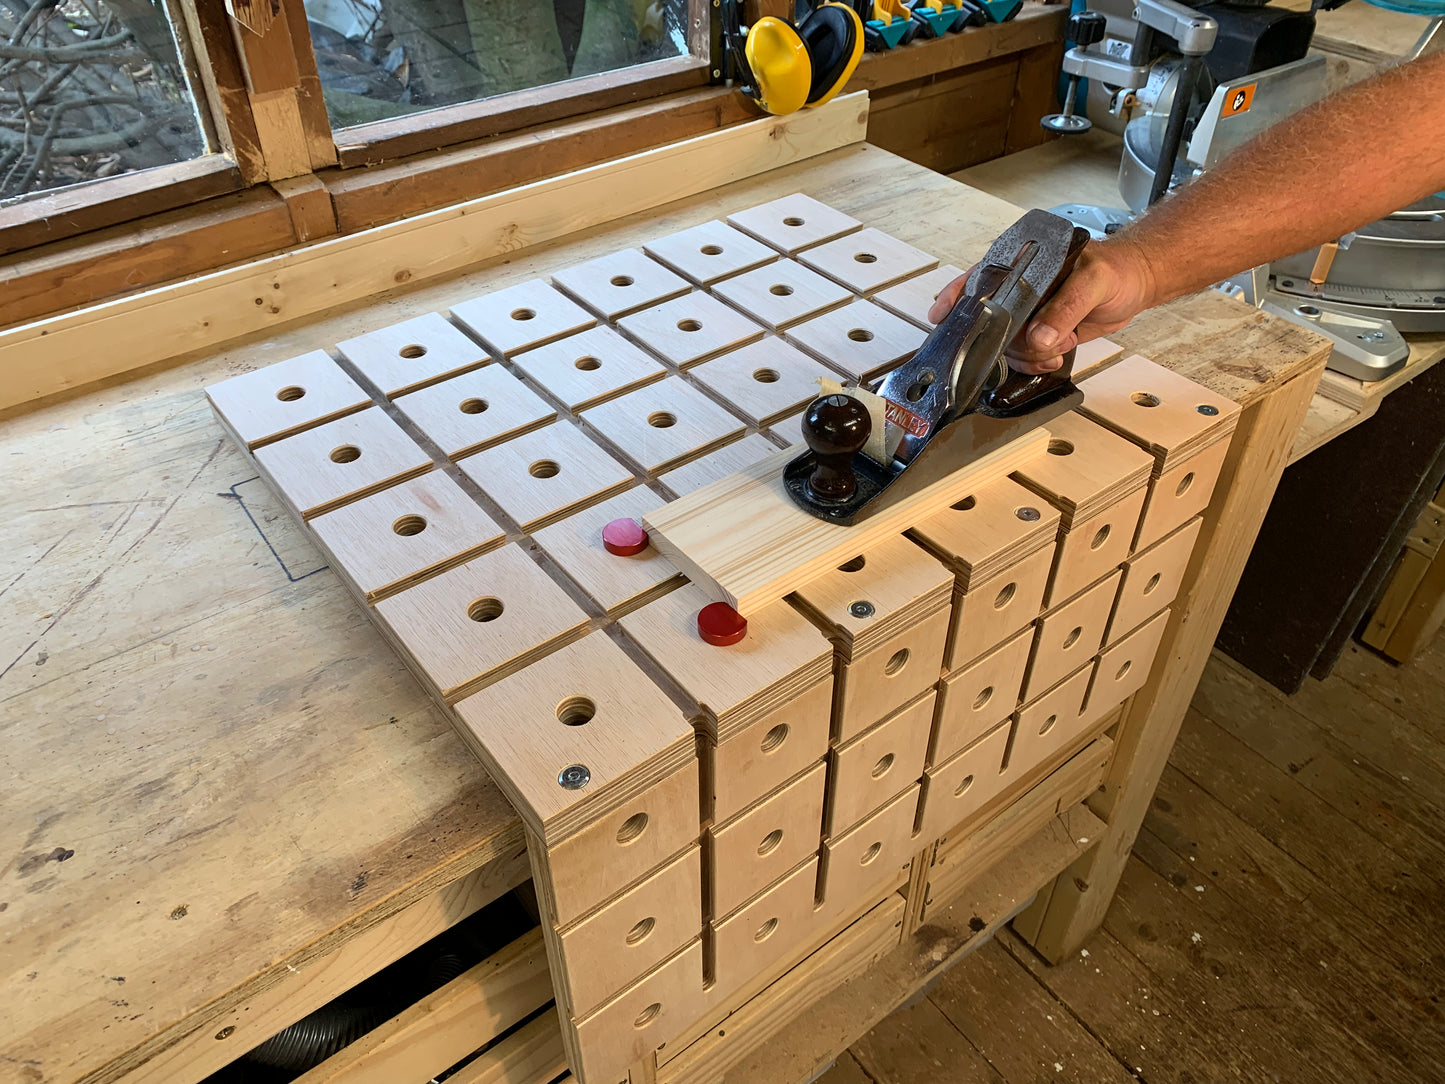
{"x":912,"y":298}
{"x":620,"y":282}
{"x":412,"y":354}
{"x":325,"y":467}
{"x":278,"y":400}
{"x":994,"y":610}
{"x":1091,"y":548}
{"x":1049,"y":724}
{"x":765,"y":931}
{"x":308,"y":201}
{"x":755,"y":848}
{"x":395,"y":538}
{"x":759,"y":758}
{"x":765,"y":381}
{"x":714,"y":466}
{"x":543,"y":476}
{"x":1123,"y":668}
{"x":859,"y":340}
{"x":888,"y":676}
{"x":979,"y":697}
{"x":1152,"y":579}
{"x":1070,"y":635}
{"x":960,"y":786}
{"x":709,"y":252}
{"x":781,"y":294}
{"x":663,"y":424}
{"x":794,"y":222}
{"x":590,"y":367}
{"x":873,"y":767}
{"x":521,"y":317}
{"x":1169,"y":415}
{"x":480,"y":621}
{"x":475,"y":410}
{"x":868,"y":260}
{"x":1183,"y":491}
{"x":689,"y":328}
{"x":871,"y":855}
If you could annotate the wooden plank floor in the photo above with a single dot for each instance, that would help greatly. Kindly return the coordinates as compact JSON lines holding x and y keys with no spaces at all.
{"x":1282,"y":917}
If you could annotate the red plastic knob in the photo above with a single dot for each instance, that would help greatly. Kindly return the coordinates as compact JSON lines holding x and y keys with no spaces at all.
{"x":624,"y":537}
{"x":720,"y":625}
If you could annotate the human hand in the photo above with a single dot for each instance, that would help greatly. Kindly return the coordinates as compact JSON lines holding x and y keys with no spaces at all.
{"x":1111,"y":283}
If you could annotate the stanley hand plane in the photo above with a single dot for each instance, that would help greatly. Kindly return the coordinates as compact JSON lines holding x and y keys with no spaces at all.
{"x":957,"y":399}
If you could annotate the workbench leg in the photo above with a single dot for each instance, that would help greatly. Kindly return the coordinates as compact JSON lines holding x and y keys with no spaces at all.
{"x":1257,"y":456}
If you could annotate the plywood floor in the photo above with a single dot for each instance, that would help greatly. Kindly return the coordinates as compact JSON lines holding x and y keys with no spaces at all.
{"x":1282,"y":917}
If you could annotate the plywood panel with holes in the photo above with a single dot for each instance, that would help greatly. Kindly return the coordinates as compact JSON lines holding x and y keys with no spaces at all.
{"x":979,"y":697}
{"x":991,"y":527}
{"x":876,"y":765}
{"x":279,"y":400}
{"x":714,"y":466}
{"x":883,"y":679}
{"x":590,"y":367}
{"x":1183,"y":491}
{"x":609,"y":950}
{"x":663,"y":424}
{"x":412,"y":354}
{"x":868,"y":260}
{"x":860,"y":340}
{"x":689,"y":328}
{"x":521,"y":317}
{"x":620,"y":282}
{"x":616,"y":583}
{"x":1123,"y":668}
{"x":913,"y":297}
{"x":960,"y":786}
{"x":1071,"y":635}
{"x":762,"y":756}
{"x":781,"y":294}
{"x":870,"y":856}
{"x":764,"y":381}
{"x":709,"y":252}
{"x":475,"y":410}
{"x":481,"y":620}
{"x":1093,"y":547}
{"x":405,"y":533}
{"x":992,"y":611}
{"x":1088,"y":468}
{"x":1152,"y":579}
{"x":765,"y":930}
{"x":323,"y":468}
{"x":546,"y":474}
{"x":754,"y":849}
{"x":1049,"y":723}
{"x":1169,"y":415}
{"x":793,"y":222}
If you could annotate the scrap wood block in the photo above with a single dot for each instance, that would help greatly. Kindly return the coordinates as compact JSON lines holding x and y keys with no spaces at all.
{"x":709,"y":252}
{"x":794,"y":222}
{"x":1152,"y":579}
{"x":766,"y":930}
{"x":663,"y":424}
{"x":1089,"y":549}
{"x":782,"y":293}
{"x":860,"y":340}
{"x":521,"y":317}
{"x":590,"y":367}
{"x":278,"y":400}
{"x":323,"y":468}
{"x":480,"y":621}
{"x":547,"y":474}
{"x":877,"y":765}
{"x":763,"y":755}
{"x":870,"y":855}
{"x":873,"y":685}
{"x":1168,"y":415}
{"x":913,"y":297}
{"x":757,"y":847}
{"x":747,"y":544}
{"x":1071,"y":635}
{"x":467,"y":413}
{"x":616,"y":583}
{"x":979,"y":697}
{"x":958,"y":788}
{"x":765,"y":381}
{"x":412,"y":354}
{"x":620,"y":282}
{"x":868,"y":260}
{"x":729,"y":459}
{"x":988,"y":528}
{"x":689,"y":328}
{"x":398,"y":537}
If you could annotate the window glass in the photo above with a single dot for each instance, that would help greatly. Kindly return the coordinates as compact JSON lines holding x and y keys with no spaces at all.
{"x":90,"y":89}
{"x":387,"y":58}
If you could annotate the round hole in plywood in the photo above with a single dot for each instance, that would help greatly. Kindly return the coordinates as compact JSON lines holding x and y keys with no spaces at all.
{"x":1073,"y":638}
{"x":545,"y":468}
{"x":1048,"y":725}
{"x":964,"y":505}
{"x":983,"y":698}
{"x":588,"y":364}
{"x":639,"y":933}
{"x":854,"y":565}
{"x":771,"y":842}
{"x":290,"y":394}
{"x":766,"y":376}
{"x":413,"y":351}
{"x":661,"y":419}
{"x":647,"y":1015}
{"x":1184,"y":484}
{"x":621,"y":280}
{"x":473,"y":406}
{"x":860,"y":335}
{"x":967,"y":782}
{"x":871,"y":853}
{"x":775,"y":737}
{"x":1153,"y":583}
{"x":792,"y":220}
{"x":1123,"y":669}
{"x":711,"y":250}
{"x":1100,"y":537}
{"x":576,"y":710}
{"x":632,"y":828}
{"x":885,"y":762}
{"x":409,"y":525}
{"x":896,"y":662}
{"x":689,"y":325}
{"x":781,"y":289}
{"x":1144,"y":399}
{"x":865,"y":257}
{"x":1061,"y":447}
{"x":486,"y":608}
{"x":524,"y":314}
{"x":347,"y":453}
{"x":1005,"y":596}
{"x":766,"y":930}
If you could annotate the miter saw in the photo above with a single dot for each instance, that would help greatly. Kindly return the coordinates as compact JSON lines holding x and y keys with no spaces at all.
{"x":1187,"y":84}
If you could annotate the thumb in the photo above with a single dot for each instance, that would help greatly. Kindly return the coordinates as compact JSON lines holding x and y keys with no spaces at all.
{"x":1049,"y":332}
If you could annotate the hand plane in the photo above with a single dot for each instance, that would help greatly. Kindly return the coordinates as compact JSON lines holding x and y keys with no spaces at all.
{"x":957,"y":399}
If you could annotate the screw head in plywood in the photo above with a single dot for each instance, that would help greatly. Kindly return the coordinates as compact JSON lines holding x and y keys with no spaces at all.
{"x":690,"y":328}
{"x":521,"y":317}
{"x":793,"y":222}
{"x":412,"y":354}
{"x":868,"y":260}
{"x":709,"y":252}
{"x":276,"y":401}
{"x":620,"y":282}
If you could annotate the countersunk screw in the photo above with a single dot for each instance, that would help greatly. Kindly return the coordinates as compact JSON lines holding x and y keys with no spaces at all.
{"x":1027,"y":513}
{"x":1207,"y":410}
{"x":862,"y":609}
{"x":575,"y":777}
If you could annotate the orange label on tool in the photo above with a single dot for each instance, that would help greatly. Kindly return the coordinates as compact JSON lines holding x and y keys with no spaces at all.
{"x":904,"y":418}
{"x":1239,"y":100}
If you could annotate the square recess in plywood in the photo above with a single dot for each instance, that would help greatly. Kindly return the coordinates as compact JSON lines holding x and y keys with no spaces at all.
{"x":867,"y":260}
{"x":766,"y":381}
{"x":859,"y":340}
{"x":591,"y":367}
{"x":325,"y":467}
{"x":393,"y":539}
{"x":664,"y":423}
{"x":912,"y":298}
{"x":621,"y":282}
{"x":480,"y":621}
{"x":617,"y":584}
{"x":413,"y":353}
{"x":285,"y":398}
{"x":690,"y":328}
{"x":710,"y":252}
{"x":522,"y":316}
{"x":540,"y":477}
{"x":782,"y":293}
{"x":475,"y":410}
{"x":719,"y":464}
{"x":793,"y":222}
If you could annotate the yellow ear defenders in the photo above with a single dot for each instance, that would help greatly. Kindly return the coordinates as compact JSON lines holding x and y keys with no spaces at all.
{"x":785,"y":68}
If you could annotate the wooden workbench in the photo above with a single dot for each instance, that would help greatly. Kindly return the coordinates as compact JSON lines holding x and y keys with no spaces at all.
{"x":227,"y":800}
